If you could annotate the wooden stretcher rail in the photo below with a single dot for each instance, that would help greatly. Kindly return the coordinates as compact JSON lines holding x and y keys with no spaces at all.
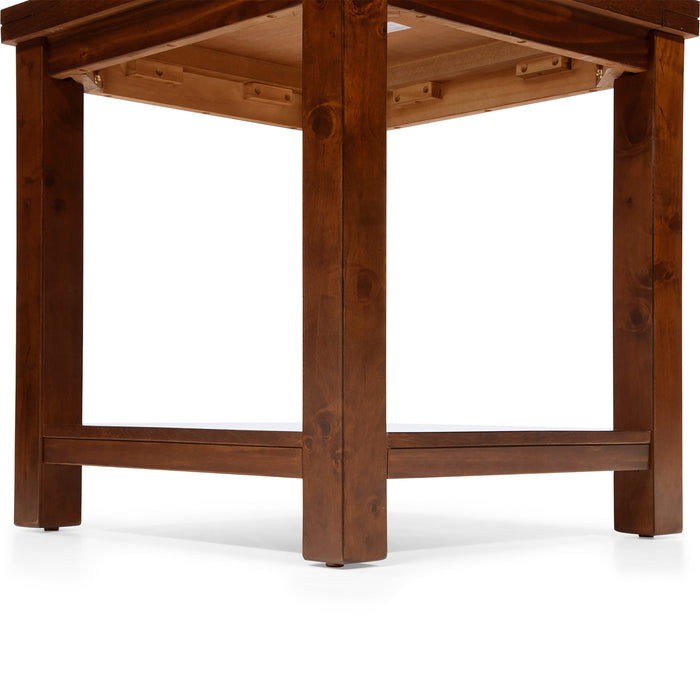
{"x":191,"y":457}
{"x":406,"y":463}
{"x":415,"y":454}
{"x":206,"y":436}
{"x":516,"y":438}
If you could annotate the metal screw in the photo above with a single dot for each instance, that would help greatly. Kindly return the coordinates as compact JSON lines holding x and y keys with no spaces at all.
{"x":523,"y":68}
{"x":425,"y":89}
{"x":98,"y":80}
{"x":287,"y":96}
{"x":257,"y":91}
{"x":555,"y":61}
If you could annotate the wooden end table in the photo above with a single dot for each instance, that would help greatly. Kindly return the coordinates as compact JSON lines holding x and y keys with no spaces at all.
{"x":248,"y":59}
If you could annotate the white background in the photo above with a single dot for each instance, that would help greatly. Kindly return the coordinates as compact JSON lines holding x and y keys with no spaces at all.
{"x":184,"y":585}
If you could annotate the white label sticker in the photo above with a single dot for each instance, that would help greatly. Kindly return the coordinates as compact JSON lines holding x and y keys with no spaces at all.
{"x":395,"y":27}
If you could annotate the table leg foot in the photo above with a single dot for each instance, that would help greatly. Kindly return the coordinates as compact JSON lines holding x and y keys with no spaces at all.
{"x":331,"y":565}
{"x":649,"y":537}
{"x":50,"y":529}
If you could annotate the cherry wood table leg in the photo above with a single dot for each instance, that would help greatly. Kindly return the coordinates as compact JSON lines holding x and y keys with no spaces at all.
{"x":344,"y":122}
{"x":647,"y":286}
{"x":49,"y":285}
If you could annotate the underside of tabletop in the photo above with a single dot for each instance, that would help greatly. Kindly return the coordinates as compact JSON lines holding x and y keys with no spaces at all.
{"x":242,"y":59}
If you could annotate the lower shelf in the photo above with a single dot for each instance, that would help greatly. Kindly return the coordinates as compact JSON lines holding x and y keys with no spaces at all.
{"x":409,"y":454}
{"x":406,"y":463}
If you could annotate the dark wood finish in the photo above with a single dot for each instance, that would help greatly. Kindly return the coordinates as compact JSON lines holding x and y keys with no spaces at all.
{"x":344,"y":75}
{"x":189,"y":457}
{"x":485,"y":461}
{"x":547,"y":25}
{"x":161,"y":25}
{"x":208,"y":436}
{"x":518,"y":438}
{"x":49,"y":285}
{"x":344,"y":452}
{"x":647,"y":286}
{"x":41,"y":18}
{"x":672,"y":15}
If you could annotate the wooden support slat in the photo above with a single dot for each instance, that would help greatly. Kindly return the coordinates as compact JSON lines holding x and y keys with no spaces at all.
{"x":490,"y":56}
{"x":190,"y":457}
{"x":473,"y":95}
{"x":200,"y":93}
{"x":344,"y":65}
{"x":548,"y":26}
{"x":217,"y":64}
{"x":258,"y":438}
{"x":647,"y":247}
{"x":516,"y":438}
{"x":152,"y":28}
{"x":484,"y":461}
{"x":49,"y":285}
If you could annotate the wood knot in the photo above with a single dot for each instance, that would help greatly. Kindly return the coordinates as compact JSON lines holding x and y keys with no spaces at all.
{"x":323,"y":122}
{"x":637,"y":125}
{"x":663,"y":272}
{"x":367,"y":283}
{"x":676,"y":223}
{"x":638,"y":319}
{"x":324,"y":421}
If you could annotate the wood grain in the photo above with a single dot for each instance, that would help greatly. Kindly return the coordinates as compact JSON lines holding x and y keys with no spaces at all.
{"x":190,"y":457}
{"x":150,"y":29}
{"x":672,"y":15}
{"x":647,"y":286}
{"x":487,"y":461}
{"x":49,"y":285}
{"x":549,"y":26}
{"x":42,"y":18}
{"x":344,"y":75}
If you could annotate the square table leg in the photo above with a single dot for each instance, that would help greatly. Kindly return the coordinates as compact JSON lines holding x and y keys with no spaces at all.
{"x":647,"y":286}
{"x":344,"y":122}
{"x":49,"y":286}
